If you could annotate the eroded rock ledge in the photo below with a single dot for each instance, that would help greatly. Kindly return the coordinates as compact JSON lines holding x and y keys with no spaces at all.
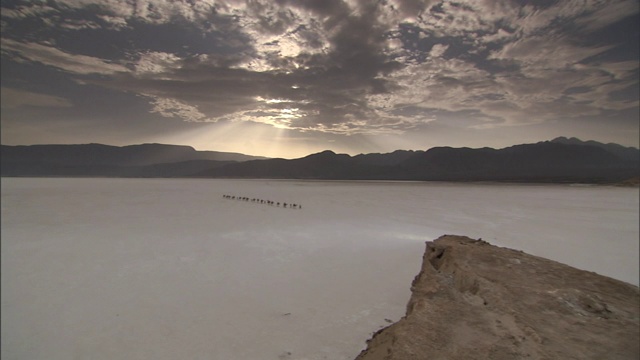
{"x":473,"y":300}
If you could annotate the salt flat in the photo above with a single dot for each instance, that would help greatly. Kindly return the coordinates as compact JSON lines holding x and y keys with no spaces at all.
{"x":168,"y":268}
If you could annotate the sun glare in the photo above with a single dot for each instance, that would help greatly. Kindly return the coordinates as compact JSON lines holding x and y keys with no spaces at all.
{"x":269,"y":138}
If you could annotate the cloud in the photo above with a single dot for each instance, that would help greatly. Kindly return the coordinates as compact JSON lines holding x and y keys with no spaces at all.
{"x":174,"y":108}
{"x":49,"y":55}
{"x":438,"y":50}
{"x":150,"y":11}
{"x":343,"y":67}
{"x":545,"y":52}
{"x":602,"y":14}
{"x":154,"y":62}
{"x":14,"y":98}
{"x":25,"y":11}
{"x":324,"y":73}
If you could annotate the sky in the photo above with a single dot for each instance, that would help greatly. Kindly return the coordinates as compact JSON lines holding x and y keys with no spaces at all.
{"x":286,"y":78}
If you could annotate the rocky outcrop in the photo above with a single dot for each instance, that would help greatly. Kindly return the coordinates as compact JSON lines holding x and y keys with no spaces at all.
{"x":472,"y":300}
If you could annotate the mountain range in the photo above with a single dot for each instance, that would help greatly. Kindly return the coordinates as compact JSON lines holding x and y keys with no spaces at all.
{"x":145,"y":160}
{"x":559,"y":160}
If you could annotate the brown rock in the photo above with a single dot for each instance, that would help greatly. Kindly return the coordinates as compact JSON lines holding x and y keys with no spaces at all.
{"x":472,"y":300}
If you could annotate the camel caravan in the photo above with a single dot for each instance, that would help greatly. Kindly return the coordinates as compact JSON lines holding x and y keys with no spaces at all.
{"x":261,"y":201}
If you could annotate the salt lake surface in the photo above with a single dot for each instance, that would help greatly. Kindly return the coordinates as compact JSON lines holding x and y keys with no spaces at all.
{"x":169,"y":269}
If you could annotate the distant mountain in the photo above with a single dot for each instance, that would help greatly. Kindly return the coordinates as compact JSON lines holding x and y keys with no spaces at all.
{"x":393,"y":158}
{"x":559,"y":160}
{"x":146,"y":160}
{"x":542,"y":162}
{"x":324,"y":165}
{"x":626,"y":153}
{"x":98,"y":154}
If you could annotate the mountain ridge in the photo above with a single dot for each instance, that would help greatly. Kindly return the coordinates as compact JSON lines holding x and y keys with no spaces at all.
{"x":540,"y":162}
{"x":129,"y":155}
{"x":558,"y":160}
{"x":625,"y":152}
